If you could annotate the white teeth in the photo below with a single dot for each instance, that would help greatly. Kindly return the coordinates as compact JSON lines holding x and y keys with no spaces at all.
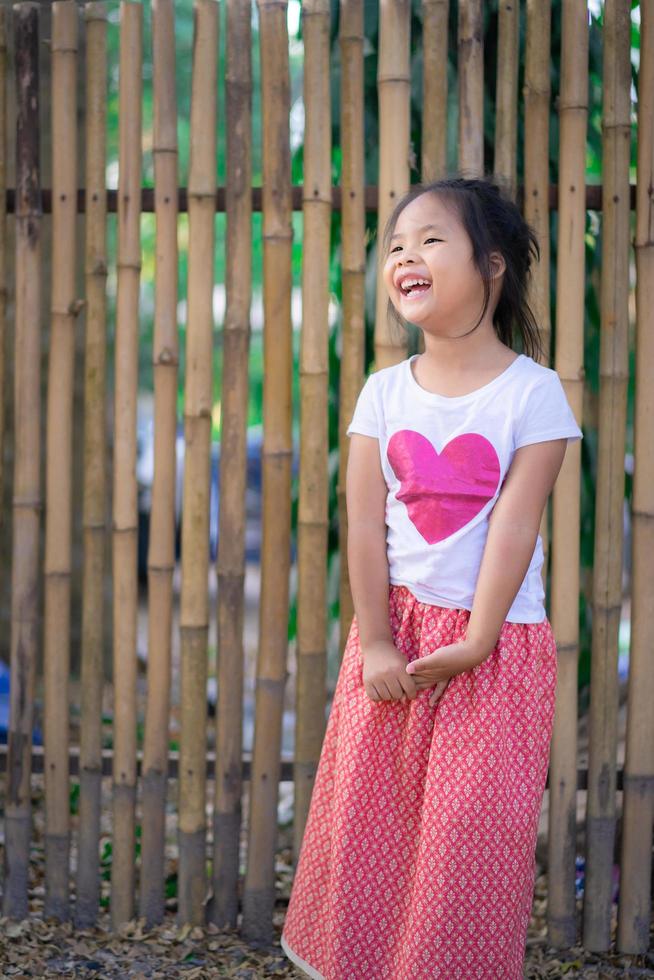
{"x":410,"y":283}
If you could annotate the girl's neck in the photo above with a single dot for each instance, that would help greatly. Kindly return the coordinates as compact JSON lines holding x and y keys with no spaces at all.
{"x":479,"y":351}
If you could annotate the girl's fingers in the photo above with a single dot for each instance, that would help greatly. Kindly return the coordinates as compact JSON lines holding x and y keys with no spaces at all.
{"x":438,"y":690}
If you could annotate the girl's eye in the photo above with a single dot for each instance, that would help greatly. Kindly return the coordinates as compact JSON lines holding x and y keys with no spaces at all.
{"x":426,"y":240}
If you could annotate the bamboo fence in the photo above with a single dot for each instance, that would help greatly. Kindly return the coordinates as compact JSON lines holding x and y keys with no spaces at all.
{"x":94,"y":517}
{"x":4,"y":373}
{"x":564,"y":611}
{"x":194,"y":615}
{"x":536,"y":189}
{"x":609,"y":506}
{"x":230,"y":567}
{"x":313,"y":511}
{"x":471,"y":87}
{"x":59,"y":458}
{"x":635,"y":908}
{"x":394,"y":92}
{"x":506,"y":88}
{"x":353,"y":268}
{"x":161,"y":541}
{"x":125,"y":518}
{"x":260,"y":776}
{"x":435,"y":14}
{"x":259,"y":892}
{"x":27,"y":462}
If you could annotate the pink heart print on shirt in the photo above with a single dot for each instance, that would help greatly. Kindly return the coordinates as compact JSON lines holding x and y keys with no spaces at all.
{"x":443,"y":491}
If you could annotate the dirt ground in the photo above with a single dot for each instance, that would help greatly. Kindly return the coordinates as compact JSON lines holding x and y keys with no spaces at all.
{"x":39,"y":948}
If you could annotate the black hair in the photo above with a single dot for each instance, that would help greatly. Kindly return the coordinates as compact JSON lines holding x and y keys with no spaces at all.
{"x":493,"y":223}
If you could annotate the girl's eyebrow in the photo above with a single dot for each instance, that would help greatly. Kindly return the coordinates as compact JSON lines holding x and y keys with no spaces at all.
{"x":420,"y":230}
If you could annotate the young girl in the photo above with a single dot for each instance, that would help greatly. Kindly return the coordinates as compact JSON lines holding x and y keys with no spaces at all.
{"x":418,"y":858}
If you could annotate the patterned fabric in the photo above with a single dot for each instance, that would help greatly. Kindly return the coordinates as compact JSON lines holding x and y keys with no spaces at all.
{"x":418,"y":857}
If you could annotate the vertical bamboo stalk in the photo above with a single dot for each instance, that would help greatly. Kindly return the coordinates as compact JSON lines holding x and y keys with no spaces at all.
{"x":194,"y":620}
{"x":161,"y":549}
{"x":353,"y":267}
{"x":3,"y":245}
{"x":435,"y":14}
{"x":313,"y":508}
{"x":506,"y":105}
{"x":259,"y":894}
{"x":394,"y":93}
{"x":230,"y":565}
{"x":635,"y":908}
{"x":607,"y":565}
{"x":59,"y":458}
{"x":471,"y":88}
{"x":536,"y":158}
{"x":125,"y":517}
{"x":536,"y":184}
{"x":95,"y":469}
{"x":573,"y":110}
{"x":27,"y":454}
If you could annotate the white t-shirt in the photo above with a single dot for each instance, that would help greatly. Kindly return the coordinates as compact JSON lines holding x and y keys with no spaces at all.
{"x":444,"y":460}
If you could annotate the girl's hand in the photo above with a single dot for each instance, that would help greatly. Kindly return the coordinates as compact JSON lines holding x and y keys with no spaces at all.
{"x":436,"y":669}
{"x":384,"y":674}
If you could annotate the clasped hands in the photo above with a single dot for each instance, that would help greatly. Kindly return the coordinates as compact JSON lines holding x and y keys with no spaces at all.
{"x":388,"y":677}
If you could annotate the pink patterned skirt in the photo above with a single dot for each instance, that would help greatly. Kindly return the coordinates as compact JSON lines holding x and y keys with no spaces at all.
{"x":418,"y":856}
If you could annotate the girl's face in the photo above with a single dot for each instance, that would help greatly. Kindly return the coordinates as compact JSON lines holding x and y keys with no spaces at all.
{"x":429,"y":271}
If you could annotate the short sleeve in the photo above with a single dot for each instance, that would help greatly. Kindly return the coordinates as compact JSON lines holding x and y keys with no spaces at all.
{"x":364,"y":419}
{"x":546,"y":414}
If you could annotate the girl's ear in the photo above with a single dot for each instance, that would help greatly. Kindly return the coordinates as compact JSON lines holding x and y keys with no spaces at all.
{"x":498,"y":265}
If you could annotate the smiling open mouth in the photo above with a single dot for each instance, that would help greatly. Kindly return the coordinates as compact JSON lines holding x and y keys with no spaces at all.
{"x":414,"y":287}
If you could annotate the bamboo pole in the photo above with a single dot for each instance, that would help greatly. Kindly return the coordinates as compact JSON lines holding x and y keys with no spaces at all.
{"x":125,"y":518}
{"x":536,"y":156}
{"x":506,"y":107}
{"x":4,"y":374}
{"x":95,"y":469}
{"x":635,"y":908}
{"x":394,"y":93}
{"x":573,"y":111}
{"x":607,"y":565}
{"x":536,"y":185}
{"x":353,"y":268}
{"x":313,"y":506}
{"x":435,"y":15}
{"x":194,"y":619}
{"x":27,"y":453}
{"x":471,"y":88}
{"x":59,"y":458}
{"x":259,"y":894}
{"x":161,"y":542}
{"x":230,"y":564}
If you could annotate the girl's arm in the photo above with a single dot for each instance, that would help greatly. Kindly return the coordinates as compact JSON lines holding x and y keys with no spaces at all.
{"x":512,"y":534}
{"x":366,"y":539}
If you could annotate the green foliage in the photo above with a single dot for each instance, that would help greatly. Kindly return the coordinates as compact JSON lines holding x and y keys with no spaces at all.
{"x":73,"y":798}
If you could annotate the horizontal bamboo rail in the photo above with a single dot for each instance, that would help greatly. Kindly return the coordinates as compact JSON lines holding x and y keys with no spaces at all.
{"x":286,"y":772}
{"x":594,"y":199}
